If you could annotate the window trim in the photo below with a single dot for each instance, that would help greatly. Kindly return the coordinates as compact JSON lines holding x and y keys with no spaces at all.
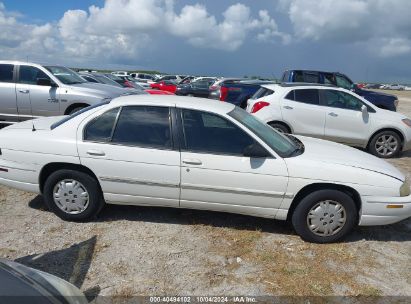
{"x":110,"y":141}
{"x":184,"y":148}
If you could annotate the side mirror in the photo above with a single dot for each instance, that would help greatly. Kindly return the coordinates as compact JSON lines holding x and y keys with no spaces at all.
{"x":364,"y":110}
{"x":255,"y":150}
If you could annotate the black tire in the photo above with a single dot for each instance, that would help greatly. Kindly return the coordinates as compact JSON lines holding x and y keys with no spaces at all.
{"x":377,"y":138}
{"x":280,"y":127}
{"x":299,"y":217}
{"x":91,"y":185}
{"x":76,"y":109}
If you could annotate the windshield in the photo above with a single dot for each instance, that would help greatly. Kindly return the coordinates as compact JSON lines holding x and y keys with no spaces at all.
{"x":71,"y":116}
{"x":65,"y":75}
{"x":106,"y":80}
{"x":281,"y":144}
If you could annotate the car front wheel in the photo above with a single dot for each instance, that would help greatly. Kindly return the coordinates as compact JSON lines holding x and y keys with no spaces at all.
{"x":385,"y":144}
{"x":73,"y":195}
{"x":324,"y":216}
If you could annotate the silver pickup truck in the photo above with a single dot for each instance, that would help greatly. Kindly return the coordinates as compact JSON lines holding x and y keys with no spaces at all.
{"x":29,"y":90}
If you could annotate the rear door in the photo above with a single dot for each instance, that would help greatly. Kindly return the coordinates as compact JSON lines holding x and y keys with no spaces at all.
{"x":216,"y":176}
{"x":302,"y":111}
{"x":33,"y":99}
{"x":131,"y":151}
{"x":8,"y":103}
{"x":345,"y":122}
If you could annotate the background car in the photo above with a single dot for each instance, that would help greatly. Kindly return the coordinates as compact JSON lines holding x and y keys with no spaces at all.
{"x":199,"y":88}
{"x":165,"y":85}
{"x":215,"y":92}
{"x":23,"y":285}
{"x":381,"y":100}
{"x":335,"y":114}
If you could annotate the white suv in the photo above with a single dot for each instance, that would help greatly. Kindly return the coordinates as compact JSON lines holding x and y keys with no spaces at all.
{"x":332,"y":113}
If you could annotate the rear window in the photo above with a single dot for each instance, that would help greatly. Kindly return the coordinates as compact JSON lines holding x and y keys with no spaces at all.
{"x":6,"y":72}
{"x":261,"y":92}
{"x":310,"y":96}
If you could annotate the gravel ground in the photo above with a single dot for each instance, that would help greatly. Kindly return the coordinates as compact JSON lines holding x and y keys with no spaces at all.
{"x":131,"y":251}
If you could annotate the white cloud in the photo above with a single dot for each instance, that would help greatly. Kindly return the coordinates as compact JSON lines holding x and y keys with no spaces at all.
{"x":382,"y":25}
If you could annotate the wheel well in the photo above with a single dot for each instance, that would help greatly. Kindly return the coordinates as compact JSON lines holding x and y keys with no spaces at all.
{"x":321,"y":186}
{"x":281,"y":123}
{"x":73,"y":106}
{"x":387,"y":129}
{"x":48,"y":169}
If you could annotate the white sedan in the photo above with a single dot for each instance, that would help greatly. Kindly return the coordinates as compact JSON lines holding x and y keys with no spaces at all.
{"x":186,"y":153}
{"x":332,"y":113}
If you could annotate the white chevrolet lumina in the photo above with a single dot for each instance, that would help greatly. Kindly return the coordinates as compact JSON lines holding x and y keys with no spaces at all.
{"x":332,"y":113}
{"x":191,"y":153}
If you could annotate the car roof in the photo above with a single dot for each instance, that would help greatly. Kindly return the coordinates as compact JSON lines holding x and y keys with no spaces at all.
{"x":284,"y":86}
{"x":173,"y":100}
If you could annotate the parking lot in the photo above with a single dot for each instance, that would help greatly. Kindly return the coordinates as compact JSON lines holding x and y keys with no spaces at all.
{"x":155,"y":251}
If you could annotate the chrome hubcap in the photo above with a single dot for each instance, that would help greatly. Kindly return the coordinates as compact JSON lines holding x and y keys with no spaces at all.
{"x":326,"y":218}
{"x":386,"y":145}
{"x":71,"y":196}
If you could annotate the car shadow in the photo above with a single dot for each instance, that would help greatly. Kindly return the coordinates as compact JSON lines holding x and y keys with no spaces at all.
{"x":70,"y":264}
{"x":399,"y":232}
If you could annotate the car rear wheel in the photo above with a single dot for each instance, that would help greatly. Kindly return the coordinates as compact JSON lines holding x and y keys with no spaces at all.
{"x":324,"y":216}
{"x":385,"y":144}
{"x":73,"y":195}
{"x":279,"y":127}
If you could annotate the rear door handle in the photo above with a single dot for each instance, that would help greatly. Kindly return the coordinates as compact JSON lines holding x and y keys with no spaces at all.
{"x":191,"y":161}
{"x":96,"y":153}
{"x":333,"y":114}
{"x":24,"y":91}
{"x":288,"y":107}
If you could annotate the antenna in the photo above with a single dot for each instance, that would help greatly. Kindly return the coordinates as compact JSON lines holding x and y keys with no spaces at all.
{"x":31,"y":112}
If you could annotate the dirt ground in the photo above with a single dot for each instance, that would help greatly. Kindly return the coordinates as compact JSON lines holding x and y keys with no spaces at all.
{"x":132,"y":251}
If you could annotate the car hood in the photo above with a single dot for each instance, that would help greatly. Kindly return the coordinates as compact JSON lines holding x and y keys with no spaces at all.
{"x":331,"y":153}
{"x":378,"y":94}
{"x":103,"y":90}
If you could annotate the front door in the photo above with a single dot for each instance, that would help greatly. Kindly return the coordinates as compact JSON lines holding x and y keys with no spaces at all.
{"x":345,"y":122}
{"x":216,"y":176}
{"x":131,"y":151}
{"x":8,"y":105}
{"x":33,"y":99}
{"x":301,"y":110}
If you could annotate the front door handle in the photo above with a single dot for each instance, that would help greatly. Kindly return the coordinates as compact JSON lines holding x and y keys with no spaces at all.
{"x":288,"y":107}
{"x":191,"y":161}
{"x":24,"y":91}
{"x":333,"y":114}
{"x":96,"y":153}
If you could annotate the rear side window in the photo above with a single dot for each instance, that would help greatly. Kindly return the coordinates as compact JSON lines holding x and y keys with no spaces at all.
{"x":6,"y":72}
{"x":261,"y":92}
{"x":101,"y":128}
{"x":311,"y":78}
{"x":144,"y":126}
{"x":309,"y":96}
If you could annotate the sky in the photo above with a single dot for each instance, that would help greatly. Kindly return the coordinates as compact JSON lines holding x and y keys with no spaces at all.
{"x":368,"y":40}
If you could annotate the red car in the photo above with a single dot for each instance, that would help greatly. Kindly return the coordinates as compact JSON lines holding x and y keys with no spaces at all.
{"x":164,"y":86}
{"x":158,"y":92}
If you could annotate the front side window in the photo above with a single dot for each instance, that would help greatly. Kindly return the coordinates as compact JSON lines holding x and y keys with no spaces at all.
{"x":210,"y":133}
{"x":311,"y":78}
{"x":6,"y":72}
{"x":30,"y":75}
{"x":343,"y":82}
{"x":309,"y":96}
{"x":101,"y":128}
{"x":343,"y":100}
{"x":144,"y":126}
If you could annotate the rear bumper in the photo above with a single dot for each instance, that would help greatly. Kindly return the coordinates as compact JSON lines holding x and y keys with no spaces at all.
{"x":374,"y":210}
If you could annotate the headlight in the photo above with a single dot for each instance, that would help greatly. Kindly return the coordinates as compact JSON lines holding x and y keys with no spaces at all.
{"x":407,"y":121}
{"x":405,"y":188}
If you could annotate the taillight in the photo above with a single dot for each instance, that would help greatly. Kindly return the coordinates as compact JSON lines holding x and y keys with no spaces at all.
{"x":258,"y":106}
{"x":223,"y":93}
{"x":213,"y":88}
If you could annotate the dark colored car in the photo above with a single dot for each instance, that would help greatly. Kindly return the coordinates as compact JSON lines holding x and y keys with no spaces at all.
{"x":238,"y":92}
{"x":381,"y":100}
{"x":198,"y":89}
{"x":100,"y":78}
{"x":216,"y":87}
{"x":23,"y":285}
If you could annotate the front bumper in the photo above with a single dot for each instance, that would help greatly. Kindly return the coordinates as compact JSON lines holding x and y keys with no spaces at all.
{"x":374,"y":210}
